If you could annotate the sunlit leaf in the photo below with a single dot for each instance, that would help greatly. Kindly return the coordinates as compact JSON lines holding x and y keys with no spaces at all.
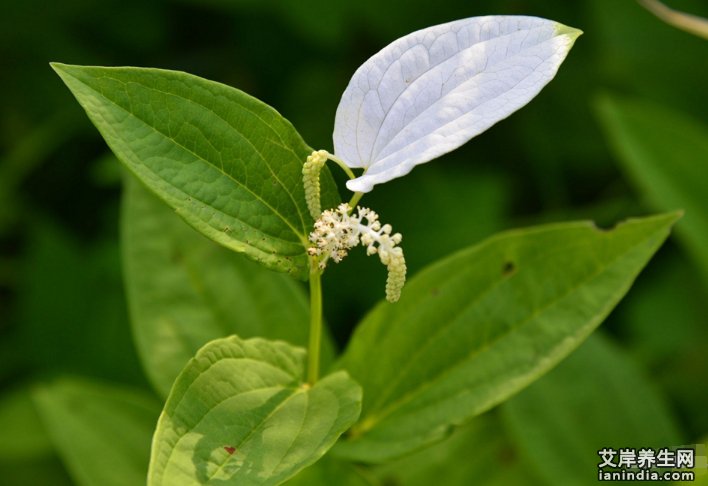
{"x":240,"y":414}
{"x":480,"y":325}
{"x":229,"y":164}
{"x":429,"y":92}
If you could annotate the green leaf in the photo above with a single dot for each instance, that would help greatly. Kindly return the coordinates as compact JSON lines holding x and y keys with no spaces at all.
{"x":665,"y":322}
{"x":229,"y":164}
{"x":102,"y":431}
{"x":478,"y":453}
{"x":45,"y":471}
{"x":23,"y":436}
{"x":329,"y":471}
{"x":701,"y":468}
{"x":595,"y":399}
{"x":184,"y":290}
{"x":71,"y":307}
{"x":665,"y":153}
{"x":240,"y":414}
{"x":672,"y":293}
{"x":480,"y":325}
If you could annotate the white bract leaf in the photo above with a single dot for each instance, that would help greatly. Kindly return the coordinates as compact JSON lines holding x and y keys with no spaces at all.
{"x":429,"y":92}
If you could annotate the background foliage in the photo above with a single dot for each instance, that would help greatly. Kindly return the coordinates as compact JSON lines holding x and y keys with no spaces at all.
{"x":620,"y":132}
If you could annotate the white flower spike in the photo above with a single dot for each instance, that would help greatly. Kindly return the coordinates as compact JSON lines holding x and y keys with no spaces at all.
{"x":337,"y":231}
{"x":429,"y":92}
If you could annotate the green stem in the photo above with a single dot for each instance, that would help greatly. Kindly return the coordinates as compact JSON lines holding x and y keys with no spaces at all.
{"x":313,"y":354}
{"x":357,"y":195}
{"x":341,"y":164}
{"x":355,"y":200}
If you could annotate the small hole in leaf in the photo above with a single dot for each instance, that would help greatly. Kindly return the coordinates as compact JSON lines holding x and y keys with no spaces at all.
{"x":508,"y":268}
{"x":603,"y":228}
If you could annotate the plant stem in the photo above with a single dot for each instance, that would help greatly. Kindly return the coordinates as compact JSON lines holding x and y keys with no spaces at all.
{"x":355,"y":199}
{"x":357,"y":195}
{"x":313,"y":353}
{"x":341,"y":164}
{"x":690,"y":23}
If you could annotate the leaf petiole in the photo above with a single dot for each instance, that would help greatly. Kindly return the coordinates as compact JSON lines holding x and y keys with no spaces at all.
{"x":357,"y":195}
{"x":342,"y":164}
{"x":355,"y":200}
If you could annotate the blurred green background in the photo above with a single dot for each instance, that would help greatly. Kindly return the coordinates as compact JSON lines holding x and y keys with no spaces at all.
{"x":568,"y":155}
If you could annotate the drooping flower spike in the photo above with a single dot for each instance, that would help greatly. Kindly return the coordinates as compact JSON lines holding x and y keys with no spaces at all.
{"x":431,"y":91}
{"x":337,"y":231}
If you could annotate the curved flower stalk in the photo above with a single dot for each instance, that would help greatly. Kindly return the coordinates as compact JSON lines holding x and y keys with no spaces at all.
{"x":337,"y":231}
{"x":429,"y":92}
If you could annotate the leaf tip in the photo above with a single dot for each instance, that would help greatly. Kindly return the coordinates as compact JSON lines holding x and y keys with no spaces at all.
{"x":667,"y":219}
{"x":61,"y":69}
{"x":57,"y":66}
{"x":660,"y":220}
{"x":570,"y":32}
{"x":674,"y":216}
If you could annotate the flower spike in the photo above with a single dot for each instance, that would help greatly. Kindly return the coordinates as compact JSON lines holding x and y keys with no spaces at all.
{"x":374,"y":234}
{"x":311,"y":180}
{"x":336,"y":232}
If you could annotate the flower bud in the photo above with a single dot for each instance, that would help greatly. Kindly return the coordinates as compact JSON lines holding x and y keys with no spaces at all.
{"x":311,"y":181}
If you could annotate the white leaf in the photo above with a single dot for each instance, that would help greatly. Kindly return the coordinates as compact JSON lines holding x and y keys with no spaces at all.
{"x":429,"y":92}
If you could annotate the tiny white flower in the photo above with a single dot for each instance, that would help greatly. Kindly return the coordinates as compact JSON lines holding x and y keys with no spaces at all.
{"x":429,"y":92}
{"x":336,"y":232}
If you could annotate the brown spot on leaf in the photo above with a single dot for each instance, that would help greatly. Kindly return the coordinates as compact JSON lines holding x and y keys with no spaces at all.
{"x":506,"y":455}
{"x":230,"y":450}
{"x":176,"y":255}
